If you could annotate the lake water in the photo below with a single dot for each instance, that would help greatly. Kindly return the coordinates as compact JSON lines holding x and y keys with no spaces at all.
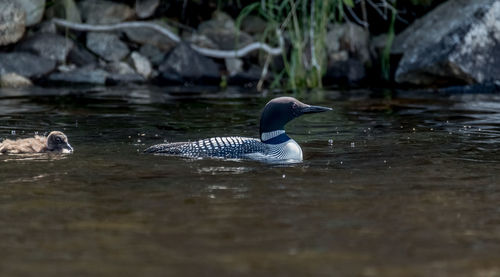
{"x":392,"y":184}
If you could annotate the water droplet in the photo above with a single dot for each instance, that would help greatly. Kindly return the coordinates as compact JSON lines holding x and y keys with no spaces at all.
{"x":330,"y":141}
{"x":385,"y":161}
{"x":36,"y":133}
{"x":341,"y":162}
{"x":283,"y":176}
{"x":129,"y":137}
{"x":414,"y":129}
{"x":353,"y":145}
{"x":138,"y":140}
{"x":13,"y":132}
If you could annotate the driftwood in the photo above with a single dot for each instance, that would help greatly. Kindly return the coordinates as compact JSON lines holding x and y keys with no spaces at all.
{"x":214,"y":53}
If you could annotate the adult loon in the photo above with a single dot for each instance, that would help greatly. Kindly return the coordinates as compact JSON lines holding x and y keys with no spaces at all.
{"x":273,"y":146}
{"x":56,"y":142}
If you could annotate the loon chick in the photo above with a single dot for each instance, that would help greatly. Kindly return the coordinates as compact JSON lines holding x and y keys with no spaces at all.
{"x":274,"y":144}
{"x":56,"y":142}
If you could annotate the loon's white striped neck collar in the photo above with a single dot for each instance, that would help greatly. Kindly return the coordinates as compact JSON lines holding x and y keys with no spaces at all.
{"x":274,"y":137}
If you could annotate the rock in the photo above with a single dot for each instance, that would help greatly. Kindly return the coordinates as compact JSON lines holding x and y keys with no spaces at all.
{"x":66,"y":9}
{"x":233,"y":66}
{"x":83,"y":75}
{"x":47,"y":27}
{"x":346,"y":72}
{"x":221,"y":30}
{"x":183,"y":64}
{"x":119,"y":68}
{"x":50,"y":46}
{"x":146,"y":8}
{"x":13,"y":80}
{"x":12,"y":22}
{"x":248,"y":78}
{"x":350,"y":39}
{"x":34,"y":10}
{"x":154,"y":54}
{"x":253,"y":25}
{"x":115,"y":79}
{"x":107,"y":45}
{"x":201,"y":41}
{"x":150,"y":36}
{"x":80,"y":56}
{"x":141,"y":64}
{"x":104,"y":12}
{"x":457,"y":42}
{"x":25,"y":64}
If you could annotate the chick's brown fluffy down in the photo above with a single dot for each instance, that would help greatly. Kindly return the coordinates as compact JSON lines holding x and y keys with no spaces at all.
{"x":37,"y":144}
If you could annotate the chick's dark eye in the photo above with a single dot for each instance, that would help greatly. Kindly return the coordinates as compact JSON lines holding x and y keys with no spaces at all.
{"x":59,"y":140}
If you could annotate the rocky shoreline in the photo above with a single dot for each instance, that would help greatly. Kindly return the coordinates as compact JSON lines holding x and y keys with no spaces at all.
{"x":456,"y":43}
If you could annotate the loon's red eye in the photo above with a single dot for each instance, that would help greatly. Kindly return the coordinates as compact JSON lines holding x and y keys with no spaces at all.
{"x":294,"y":106}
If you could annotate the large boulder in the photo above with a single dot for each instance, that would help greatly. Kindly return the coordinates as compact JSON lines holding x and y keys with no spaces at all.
{"x":12,"y":22}
{"x":34,"y":10}
{"x":183,"y":64}
{"x":107,"y":46}
{"x":104,"y":12}
{"x":50,"y":46}
{"x":25,"y":64}
{"x":457,"y":42}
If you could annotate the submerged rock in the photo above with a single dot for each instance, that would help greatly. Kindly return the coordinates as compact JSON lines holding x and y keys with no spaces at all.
{"x":107,"y":46}
{"x":104,"y":12}
{"x":12,"y":22}
{"x":34,"y":10}
{"x":13,"y":80}
{"x":80,"y":56}
{"x":25,"y":64}
{"x":50,"y":46}
{"x":183,"y":64}
{"x":83,"y":75}
{"x":457,"y":42}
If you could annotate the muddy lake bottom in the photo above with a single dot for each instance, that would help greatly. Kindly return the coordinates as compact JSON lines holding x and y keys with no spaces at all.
{"x":392,"y":184}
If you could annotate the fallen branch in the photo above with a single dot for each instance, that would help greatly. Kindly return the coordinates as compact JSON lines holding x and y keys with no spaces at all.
{"x":214,"y":53}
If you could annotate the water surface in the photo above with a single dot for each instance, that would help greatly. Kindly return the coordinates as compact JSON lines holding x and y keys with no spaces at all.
{"x":392,"y":184}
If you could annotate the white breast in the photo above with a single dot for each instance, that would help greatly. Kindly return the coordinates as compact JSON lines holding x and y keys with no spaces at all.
{"x":292,"y":151}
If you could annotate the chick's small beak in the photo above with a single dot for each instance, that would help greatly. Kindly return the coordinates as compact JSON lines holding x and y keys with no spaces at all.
{"x":315,"y":109}
{"x":67,"y":148}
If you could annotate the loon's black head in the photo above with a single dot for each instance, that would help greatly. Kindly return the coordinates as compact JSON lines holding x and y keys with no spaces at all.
{"x":281,"y":110}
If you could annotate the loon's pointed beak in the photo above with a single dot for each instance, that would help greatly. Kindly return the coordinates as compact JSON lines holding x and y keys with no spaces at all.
{"x":314,"y":109}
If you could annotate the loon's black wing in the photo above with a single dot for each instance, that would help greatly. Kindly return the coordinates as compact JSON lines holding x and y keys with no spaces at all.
{"x":219,"y":147}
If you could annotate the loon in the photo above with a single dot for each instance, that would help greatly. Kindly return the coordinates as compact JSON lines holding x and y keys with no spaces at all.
{"x":274,"y":144}
{"x":56,"y":142}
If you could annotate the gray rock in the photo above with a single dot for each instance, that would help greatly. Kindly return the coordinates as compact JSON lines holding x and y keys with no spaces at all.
{"x":154,"y":54}
{"x":13,"y":80}
{"x":12,"y":22}
{"x":107,"y":46}
{"x":119,"y":68}
{"x":183,"y":64}
{"x":347,"y":40}
{"x":253,"y":25}
{"x":146,"y":8}
{"x":104,"y":12}
{"x":221,"y":30}
{"x":458,"y":41}
{"x":81,"y":56}
{"x":34,"y":10}
{"x":25,"y":64}
{"x":233,"y":66}
{"x":66,"y":9}
{"x":201,"y":41}
{"x":150,"y":36}
{"x":141,"y":64}
{"x":349,"y":71}
{"x":84,"y":75}
{"x":50,"y":46}
{"x":47,"y":27}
